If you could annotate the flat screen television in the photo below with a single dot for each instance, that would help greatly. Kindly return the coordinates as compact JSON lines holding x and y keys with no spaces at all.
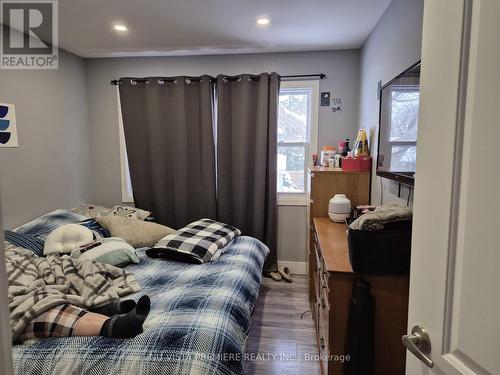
{"x":398,"y":125}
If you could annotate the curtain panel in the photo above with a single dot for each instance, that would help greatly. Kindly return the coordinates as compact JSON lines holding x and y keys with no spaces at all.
{"x":185,"y":164}
{"x":168,"y":126}
{"x":247,"y":114}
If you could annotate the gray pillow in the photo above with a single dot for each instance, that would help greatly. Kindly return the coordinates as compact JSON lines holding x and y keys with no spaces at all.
{"x":114,"y":251}
{"x":137,"y":233}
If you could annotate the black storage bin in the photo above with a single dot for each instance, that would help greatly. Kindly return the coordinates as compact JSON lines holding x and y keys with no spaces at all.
{"x":385,"y":252}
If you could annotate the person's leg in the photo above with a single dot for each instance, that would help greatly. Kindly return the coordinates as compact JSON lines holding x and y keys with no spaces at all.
{"x":89,"y":325}
{"x":130,"y":324}
{"x":68,"y":320}
{"x":119,"y":325}
{"x":115,"y":307}
{"x":59,"y":321}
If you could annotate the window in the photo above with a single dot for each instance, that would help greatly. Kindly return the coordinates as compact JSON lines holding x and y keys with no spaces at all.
{"x":297,"y":138}
{"x":297,"y":133}
{"x":404,"y":125}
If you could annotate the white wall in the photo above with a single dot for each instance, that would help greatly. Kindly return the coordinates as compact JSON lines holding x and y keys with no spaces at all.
{"x":341,"y":68}
{"x":292,"y":234}
{"x":393,"y":46}
{"x":50,"y":168}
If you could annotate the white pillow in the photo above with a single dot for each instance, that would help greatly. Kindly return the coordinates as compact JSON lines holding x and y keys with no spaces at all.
{"x":67,"y":238}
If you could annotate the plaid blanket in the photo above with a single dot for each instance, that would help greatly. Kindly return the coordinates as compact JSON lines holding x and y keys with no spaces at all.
{"x":37,"y":284}
{"x":196,"y":243}
{"x":43,"y":225}
{"x":199,"y":320}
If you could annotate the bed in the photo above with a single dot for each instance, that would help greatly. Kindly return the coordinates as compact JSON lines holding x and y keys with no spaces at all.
{"x":199,"y":320}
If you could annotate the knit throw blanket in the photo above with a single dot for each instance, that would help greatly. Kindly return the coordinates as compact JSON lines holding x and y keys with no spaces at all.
{"x":37,"y":284}
{"x":375,"y":220}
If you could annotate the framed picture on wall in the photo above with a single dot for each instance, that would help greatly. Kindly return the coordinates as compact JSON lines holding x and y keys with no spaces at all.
{"x":8,"y":130}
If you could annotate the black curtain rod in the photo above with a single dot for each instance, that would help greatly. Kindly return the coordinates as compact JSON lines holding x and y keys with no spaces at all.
{"x":319,"y":75}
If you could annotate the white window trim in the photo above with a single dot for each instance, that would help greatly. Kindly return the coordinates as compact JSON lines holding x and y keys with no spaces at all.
{"x":302,"y":199}
{"x":127,"y":196}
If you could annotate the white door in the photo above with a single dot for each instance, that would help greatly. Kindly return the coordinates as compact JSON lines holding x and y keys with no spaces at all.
{"x":455,"y":266}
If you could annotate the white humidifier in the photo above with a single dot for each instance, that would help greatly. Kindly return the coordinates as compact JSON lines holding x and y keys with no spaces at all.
{"x":339,"y":208}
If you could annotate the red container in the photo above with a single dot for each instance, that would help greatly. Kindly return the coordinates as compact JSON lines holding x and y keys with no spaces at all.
{"x":358,"y":164}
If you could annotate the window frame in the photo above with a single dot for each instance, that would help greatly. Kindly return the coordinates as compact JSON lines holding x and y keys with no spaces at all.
{"x":311,"y":145}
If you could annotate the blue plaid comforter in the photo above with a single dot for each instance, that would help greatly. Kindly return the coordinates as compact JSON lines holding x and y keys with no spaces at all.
{"x":199,"y":320}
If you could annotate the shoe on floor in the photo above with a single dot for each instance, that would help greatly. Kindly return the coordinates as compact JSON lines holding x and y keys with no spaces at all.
{"x":276,"y":276}
{"x":285,"y":274}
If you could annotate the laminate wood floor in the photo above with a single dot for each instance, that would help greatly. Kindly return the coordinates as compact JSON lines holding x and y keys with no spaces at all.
{"x":277,"y":329}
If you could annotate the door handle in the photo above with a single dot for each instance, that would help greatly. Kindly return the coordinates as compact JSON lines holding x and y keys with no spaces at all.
{"x":419,"y":344}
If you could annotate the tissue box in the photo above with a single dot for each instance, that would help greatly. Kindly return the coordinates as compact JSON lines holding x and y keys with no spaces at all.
{"x":357,"y":164}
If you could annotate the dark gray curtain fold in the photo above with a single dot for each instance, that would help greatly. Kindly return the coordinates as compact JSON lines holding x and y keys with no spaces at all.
{"x":246,"y":156}
{"x":168,"y":125}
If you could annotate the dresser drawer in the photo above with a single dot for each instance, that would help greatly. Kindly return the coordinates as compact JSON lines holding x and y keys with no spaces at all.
{"x":320,"y":306}
{"x":320,"y":262}
{"x":318,"y":289}
{"x":324,"y":277}
{"x":324,"y":315}
{"x":317,"y":269}
{"x":323,"y":337}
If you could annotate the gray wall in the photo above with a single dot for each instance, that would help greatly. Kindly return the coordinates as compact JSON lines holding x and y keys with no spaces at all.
{"x":393,"y":45}
{"x":5,"y":329}
{"x":50,"y":168}
{"x":341,"y":67}
{"x":292,"y":233}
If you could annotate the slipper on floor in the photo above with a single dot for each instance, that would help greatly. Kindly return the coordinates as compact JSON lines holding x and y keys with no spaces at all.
{"x":276,"y":276}
{"x":285,"y":273}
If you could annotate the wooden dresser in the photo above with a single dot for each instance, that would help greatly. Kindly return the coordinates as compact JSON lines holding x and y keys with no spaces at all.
{"x":331,"y":281}
{"x":323,"y":184}
{"x":332,"y":284}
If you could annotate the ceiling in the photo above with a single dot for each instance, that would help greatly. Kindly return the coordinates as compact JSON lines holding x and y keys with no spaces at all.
{"x":196,"y":27}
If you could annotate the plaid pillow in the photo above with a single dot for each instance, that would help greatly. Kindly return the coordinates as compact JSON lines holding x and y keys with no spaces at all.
{"x":195,"y":243}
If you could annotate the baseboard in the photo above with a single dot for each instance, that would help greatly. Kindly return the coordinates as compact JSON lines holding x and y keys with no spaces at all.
{"x":297,"y":268}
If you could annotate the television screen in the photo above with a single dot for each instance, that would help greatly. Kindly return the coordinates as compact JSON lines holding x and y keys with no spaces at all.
{"x":398,"y":124}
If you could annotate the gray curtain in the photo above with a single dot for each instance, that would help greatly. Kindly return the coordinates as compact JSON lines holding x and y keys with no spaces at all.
{"x":247,"y":114}
{"x":168,"y":125}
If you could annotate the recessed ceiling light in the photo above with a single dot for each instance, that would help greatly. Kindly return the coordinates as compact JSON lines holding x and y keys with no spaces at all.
{"x":263,"y":21}
{"x":119,"y":27}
